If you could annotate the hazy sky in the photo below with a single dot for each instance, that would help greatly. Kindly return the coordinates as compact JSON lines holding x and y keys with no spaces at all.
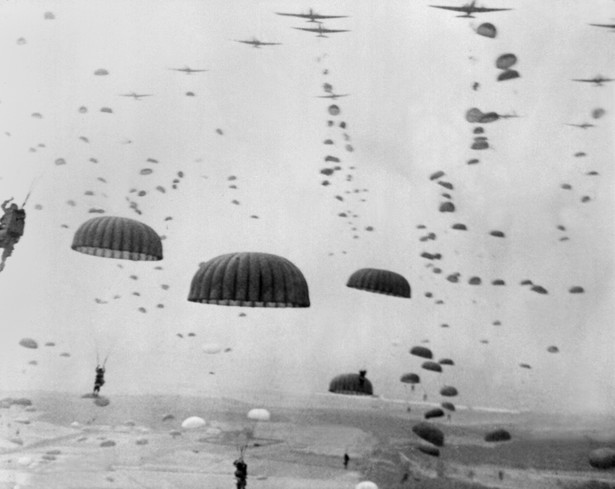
{"x":409,"y":70}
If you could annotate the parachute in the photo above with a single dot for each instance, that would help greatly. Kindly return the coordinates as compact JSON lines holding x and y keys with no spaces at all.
{"x":505,"y":61}
{"x":433,"y":366}
{"x":434,"y":413}
{"x":410,"y":379}
{"x":366,"y":485}
{"x":598,"y":113}
{"x":525,"y":365}
{"x":487,"y":30}
{"x":259,"y":414}
{"x":101,"y":72}
{"x":474,"y":281}
{"x":448,"y":391}
{"x":478,"y":130}
{"x":421,"y":351}
{"x":446,"y":361}
{"x":576,"y":290}
{"x":602,"y":458}
{"x":508,"y":75}
{"x":334,"y":109}
{"x":249,"y":280}
{"x":498,"y":281}
{"x":430,"y":433}
{"x":118,"y":237}
{"x":193,"y":422}
{"x":354,"y":384}
{"x":459,"y":227}
{"x":553,"y":349}
{"x":474,"y":115}
{"x":497,"y":435}
{"x":429,"y":450}
{"x":102,"y":401}
{"x":449,"y":406}
{"x":497,"y":234}
{"x":380,"y":282}
{"x":28,"y":343}
{"x":447,"y":207}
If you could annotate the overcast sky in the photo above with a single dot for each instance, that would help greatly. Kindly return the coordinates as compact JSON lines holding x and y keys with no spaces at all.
{"x":255,"y":115}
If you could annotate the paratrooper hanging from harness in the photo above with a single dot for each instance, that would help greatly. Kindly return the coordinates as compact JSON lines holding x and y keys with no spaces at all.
{"x":12,"y":224}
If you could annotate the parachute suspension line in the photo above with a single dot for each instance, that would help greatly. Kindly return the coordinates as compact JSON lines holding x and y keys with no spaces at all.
{"x":30,"y":191}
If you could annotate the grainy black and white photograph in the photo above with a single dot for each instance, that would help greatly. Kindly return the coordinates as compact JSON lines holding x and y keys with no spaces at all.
{"x":271,"y":244}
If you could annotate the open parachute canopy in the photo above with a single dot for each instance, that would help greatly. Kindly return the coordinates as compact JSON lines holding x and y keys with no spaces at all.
{"x":259,"y":414}
{"x":250,"y":280}
{"x":508,"y":75}
{"x":497,"y":435}
{"x":448,"y":391}
{"x":353,"y":384}
{"x":474,"y":115}
{"x":449,"y":406}
{"x":446,"y":361}
{"x":421,"y":351}
{"x":410,"y":378}
{"x":434,"y":413}
{"x":430,"y":433}
{"x":429,"y":450}
{"x":380,"y":282}
{"x":487,"y":30}
{"x":505,"y":61}
{"x":433,"y":366}
{"x":118,"y":237}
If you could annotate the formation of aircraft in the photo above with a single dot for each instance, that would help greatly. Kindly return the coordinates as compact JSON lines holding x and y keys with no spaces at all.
{"x":470,"y":8}
{"x":320,"y":30}
{"x":188,"y":70}
{"x":136,"y":96}
{"x":312,"y":16}
{"x":598,"y":80}
{"x":585,"y":125}
{"x":257,"y":44}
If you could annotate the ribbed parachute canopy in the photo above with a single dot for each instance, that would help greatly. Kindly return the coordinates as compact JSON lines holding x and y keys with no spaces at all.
{"x":250,"y":279}
{"x":380,"y":282}
{"x":410,"y":379}
{"x":421,"y":351}
{"x":433,"y":366}
{"x":487,"y":30}
{"x":446,"y":361}
{"x":449,"y":391}
{"x":430,"y":433}
{"x":118,"y":237}
{"x":497,"y":435}
{"x":353,"y":384}
{"x":508,"y":75}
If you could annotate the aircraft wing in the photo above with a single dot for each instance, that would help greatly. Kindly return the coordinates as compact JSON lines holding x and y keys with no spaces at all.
{"x":309,"y":29}
{"x":303,"y":16}
{"x":584,"y":80}
{"x":485,"y":9}
{"x":455,"y":9}
{"x":270,"y":43}
{"x":332,"y":30}
{"x":609,"y":26}
{"x":246,"y":42}
{"x":316,"y":16}
{"x":333,"y":96}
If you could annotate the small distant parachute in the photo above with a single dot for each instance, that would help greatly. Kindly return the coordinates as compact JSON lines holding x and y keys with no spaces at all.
{"x":526,"y":282}
{"x":49,"y":16}
{"x":453,"y":278}
{"x":576,"y":290}
{"x":50,"y":343}
{"x":497,"y":435}
{"x":449,"y":406}
{"x":434,"y":413}
{"x":60,"y":161}
{"x":366,"y":485}
{"x":508,"y":75}
{"x":436,"y":175}
{"x":473,"y":161}
{"x":474,"y":115}
{"x":474,"y":281}
{"x":353,"y":384}
{"x":432,"y":366}
{"x":602,"y":458}
{"x":380,"y":282}
{"x":446,"y":361}
{"x":83,"y":109}
{"x":101,"y":72}
{"x":146,"y":171}
{"x":553,"y":349}
{"x":410,"y":378}
{"x":65,"y":354}
{"x":478,"y":130}
{"x":334,"y":109}
{"x":487,"y":30}
{"x":449,"y":391}
{"x":505,"y":61}
{"x":497,"y":234}
{"x":28,"y":343}
{"x":258,"y":414}
{"x":250,"y":280}
{"x":168,"y":417}
{"x":421,"y":351}
{"x":211,"y":348}
{"x":447,"y":207}
{"x":525,"y":365}
{"x":193,"y":422}
{"x":459,"y":227}
{"x":498,"y":281}
{"x":107,"y":110}
{"x":118,"y":237}
{"x":430,"y":433}
{"x":539,"y":289}
{"x":598,"y":113}
{"x":429,"y":450}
